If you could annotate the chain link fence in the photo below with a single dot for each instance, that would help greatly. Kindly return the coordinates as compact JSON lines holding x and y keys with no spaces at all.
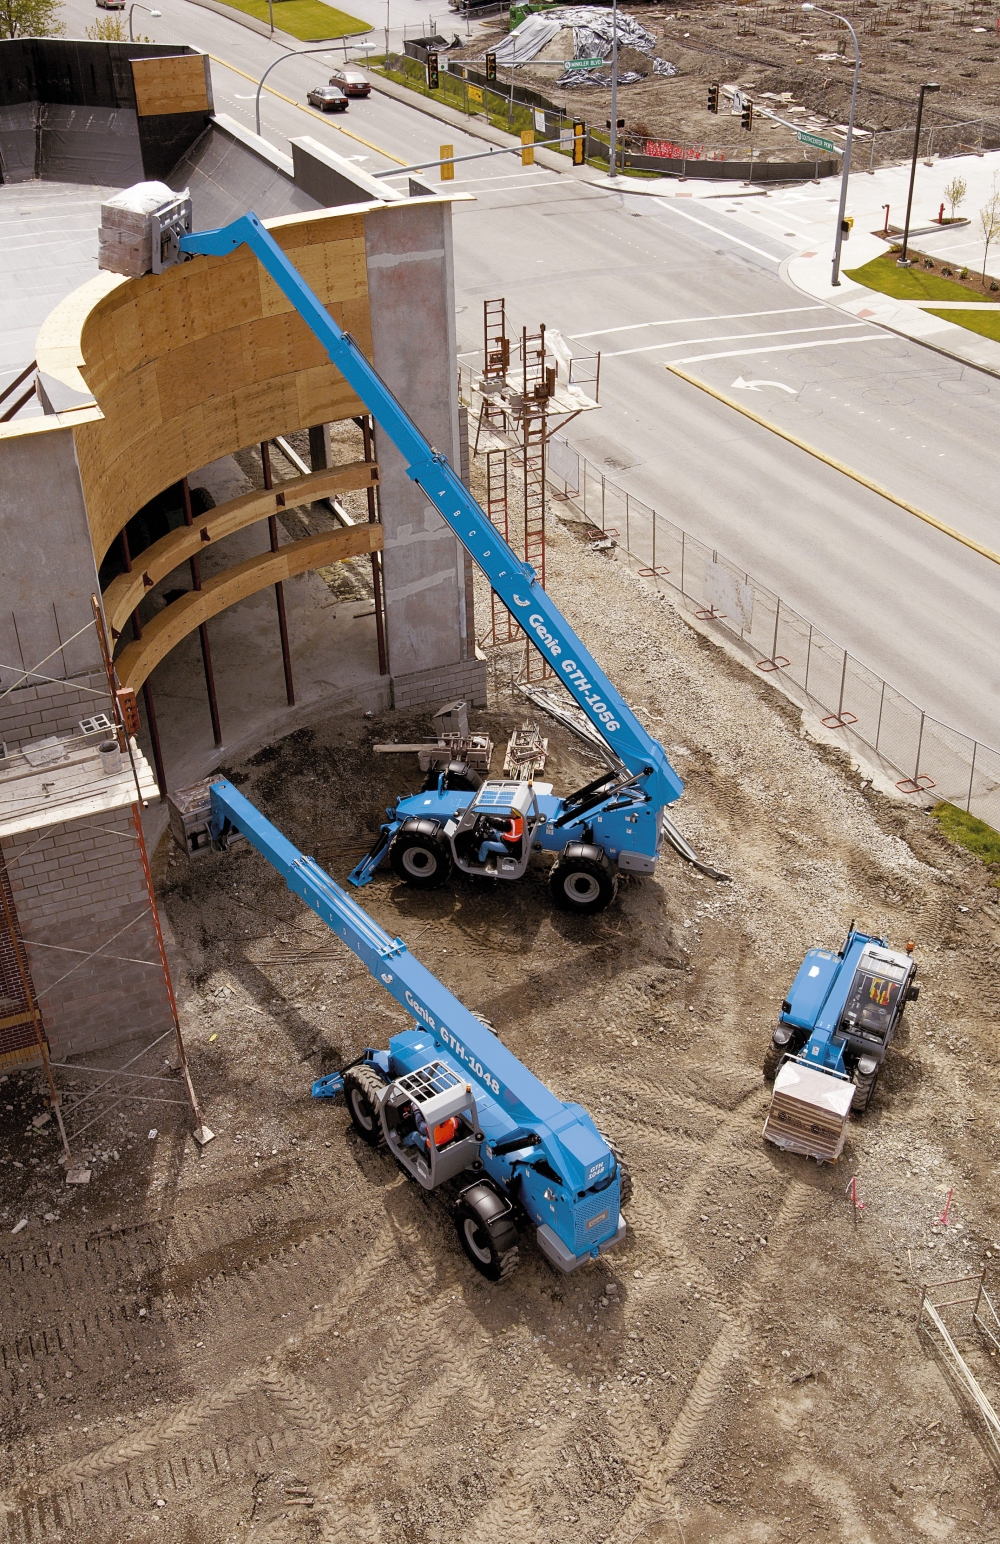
{"x":925,"y":755}
{"x":921,"y":754}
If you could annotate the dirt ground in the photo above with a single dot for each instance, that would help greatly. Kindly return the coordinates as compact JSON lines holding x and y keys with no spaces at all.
{"x":278,"y":1338}
{"x":756,"y":48}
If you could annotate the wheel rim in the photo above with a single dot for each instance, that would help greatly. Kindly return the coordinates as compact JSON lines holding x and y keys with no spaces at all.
{"x":358,"y":1105}
{"x":477,"y":1241}
{"x":420,"y":862}
{"x":581,"y":887}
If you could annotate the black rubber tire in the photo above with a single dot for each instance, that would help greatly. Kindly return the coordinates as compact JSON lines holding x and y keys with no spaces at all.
{"x":625,"y":1174}
{"x":492,"y":1252}
{"x":362,"y":1086}
{"x":421,"y":861}
{"x":864,"y":1087}
{"x":582,"y":886}
{"x":772,"y":1060}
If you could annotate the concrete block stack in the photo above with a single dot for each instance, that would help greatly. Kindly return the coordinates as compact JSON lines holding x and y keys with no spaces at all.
{"x":124,"y":238}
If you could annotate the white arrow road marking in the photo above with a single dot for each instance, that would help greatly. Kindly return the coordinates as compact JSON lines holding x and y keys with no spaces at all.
{"x":743,"y":385}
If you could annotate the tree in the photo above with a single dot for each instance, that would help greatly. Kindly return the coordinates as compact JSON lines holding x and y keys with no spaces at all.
{"x":107,"y":29}
{"x":955,"y":192}
{"x":30,"y":19}
{"x":989,"y":219}
{"x":111,"y":29}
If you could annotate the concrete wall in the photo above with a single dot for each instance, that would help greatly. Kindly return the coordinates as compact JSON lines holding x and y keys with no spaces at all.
{"x":412,"y":294}
{"x":75,"y":885}
{"x":47,"y":570}
{"x":79,"y":888}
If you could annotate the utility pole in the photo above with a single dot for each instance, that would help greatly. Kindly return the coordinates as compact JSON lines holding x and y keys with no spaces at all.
{"x":613,"y":151}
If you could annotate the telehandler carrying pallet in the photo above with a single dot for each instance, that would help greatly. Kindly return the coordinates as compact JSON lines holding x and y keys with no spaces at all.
{"x":836,"y":1025}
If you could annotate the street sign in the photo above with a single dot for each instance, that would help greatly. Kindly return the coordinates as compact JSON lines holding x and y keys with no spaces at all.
{"x":584,"y":64}
{"x":815,"y":141}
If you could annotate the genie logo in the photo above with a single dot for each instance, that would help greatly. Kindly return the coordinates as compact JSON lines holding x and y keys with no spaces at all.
{"x":419,"y":1011}
{"x":545,"y":638}
{"x":519,"y":602}
{"x":385,"y":976}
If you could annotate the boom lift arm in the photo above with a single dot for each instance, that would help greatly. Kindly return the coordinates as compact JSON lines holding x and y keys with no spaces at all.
{"x":523,"y":1149}
{"x":514,"y":581}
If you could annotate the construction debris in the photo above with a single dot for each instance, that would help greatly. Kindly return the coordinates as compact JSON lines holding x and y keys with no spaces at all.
{"x":526,"y":752}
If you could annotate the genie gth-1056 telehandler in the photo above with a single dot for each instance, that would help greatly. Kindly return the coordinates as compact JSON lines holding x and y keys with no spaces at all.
{"x":836,"y":1025}
{"x":455,"y":1108}
{"x":617,"y":823}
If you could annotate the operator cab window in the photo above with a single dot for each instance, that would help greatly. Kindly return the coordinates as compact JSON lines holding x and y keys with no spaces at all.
{"x":873,"y":999}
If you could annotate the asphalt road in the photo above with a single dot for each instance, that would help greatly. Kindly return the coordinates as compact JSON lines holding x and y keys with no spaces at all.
{"x":650,"y":280}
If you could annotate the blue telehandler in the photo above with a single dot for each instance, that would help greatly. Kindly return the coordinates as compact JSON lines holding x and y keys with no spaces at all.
{"x":455,"y":1108}
{"x":618,"y":822}
{"x":836,"y":1025}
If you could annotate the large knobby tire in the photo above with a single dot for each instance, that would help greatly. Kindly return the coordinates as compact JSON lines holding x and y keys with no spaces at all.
{"x":422,"y":861}
{"x":624,"y":1174}
{"x":772,"y":1060}
{"x":492,"y":1251}
{"x":582,"y":885}
{"x":362,"y":1086}
{"x":864,"y":1087}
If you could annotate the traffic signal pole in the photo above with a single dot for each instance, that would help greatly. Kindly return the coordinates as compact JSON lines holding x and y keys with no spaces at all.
{"x":613,"y":148}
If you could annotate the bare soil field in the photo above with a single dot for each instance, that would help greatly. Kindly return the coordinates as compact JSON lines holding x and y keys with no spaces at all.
{"x":278,"y":1338}
{"x":800,"y":60}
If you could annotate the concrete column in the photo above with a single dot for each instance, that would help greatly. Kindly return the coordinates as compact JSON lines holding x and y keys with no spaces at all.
{"x":412,"y":298}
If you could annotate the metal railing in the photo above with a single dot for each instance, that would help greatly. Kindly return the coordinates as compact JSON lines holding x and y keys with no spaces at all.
{"x":922,"y":754}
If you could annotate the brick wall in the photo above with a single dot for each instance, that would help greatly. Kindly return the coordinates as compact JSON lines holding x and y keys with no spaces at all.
{"x":78,"y":887}
{"x":466,"y":679}
{"x":51,"y":707}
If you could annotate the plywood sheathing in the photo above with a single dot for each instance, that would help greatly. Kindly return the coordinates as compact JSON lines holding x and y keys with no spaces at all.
{"x":123,"y":594}
{"x":176,"y":83}
{"x":172,"y":624}
{"x":202,"y":360}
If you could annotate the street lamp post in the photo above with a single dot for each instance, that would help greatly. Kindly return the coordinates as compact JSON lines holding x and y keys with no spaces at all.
{"x":902,"y":260}
{"x":293,"y":53}
{"x":846,"y":172}
{"x":135,"y":6}
{"x":613,"y":148}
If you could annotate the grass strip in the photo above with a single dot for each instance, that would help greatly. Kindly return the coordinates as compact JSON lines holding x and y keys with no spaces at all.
{"x":968,"y":832}
{"x":883,"y":275}
{"x":308,"y":20}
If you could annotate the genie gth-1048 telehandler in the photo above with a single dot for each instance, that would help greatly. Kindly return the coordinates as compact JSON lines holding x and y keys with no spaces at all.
{"x":617,"y":823}
{"x":455,"y":1108}
{"x":836,"y":1025}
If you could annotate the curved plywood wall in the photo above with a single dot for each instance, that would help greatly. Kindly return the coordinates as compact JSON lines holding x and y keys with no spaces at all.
{"x":201,"y":361}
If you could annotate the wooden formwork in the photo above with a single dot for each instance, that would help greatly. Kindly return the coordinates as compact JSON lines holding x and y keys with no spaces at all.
{"x":201,"y":360}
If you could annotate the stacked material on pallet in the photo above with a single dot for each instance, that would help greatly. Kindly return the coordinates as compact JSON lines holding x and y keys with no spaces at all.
{"x":809,"y":1112}
{"x":124,"y":237}
{"x":476,"y":749}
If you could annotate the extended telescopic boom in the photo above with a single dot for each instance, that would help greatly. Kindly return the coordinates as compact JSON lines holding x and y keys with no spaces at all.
{"x":514,"y":581}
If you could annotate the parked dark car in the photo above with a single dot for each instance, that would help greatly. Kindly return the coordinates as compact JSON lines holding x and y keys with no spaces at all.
{"x":351,"y":82}
{"x":329,"y":99}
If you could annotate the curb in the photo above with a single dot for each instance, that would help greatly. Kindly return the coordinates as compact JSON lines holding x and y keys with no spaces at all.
{"x":898,"y":332}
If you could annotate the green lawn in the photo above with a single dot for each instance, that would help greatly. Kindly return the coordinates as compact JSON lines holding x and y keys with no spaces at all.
{"x":883,"y":275}
{"x":308,"y":20}
{"x":969,"y":832}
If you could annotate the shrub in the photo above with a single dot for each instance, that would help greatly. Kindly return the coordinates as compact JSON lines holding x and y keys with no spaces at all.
{"x":947,"y":272}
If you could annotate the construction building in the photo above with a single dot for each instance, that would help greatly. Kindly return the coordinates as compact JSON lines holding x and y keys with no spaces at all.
{"x":117,"y":479}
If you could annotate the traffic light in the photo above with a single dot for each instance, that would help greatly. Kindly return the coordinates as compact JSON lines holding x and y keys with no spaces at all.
{"x":620,"y":123}
{"x":579,"y":142}
{"x":846,"y":226}
{"x":713,"y":98}
{"x":491,"y":66}
{"x":747,"y":116}
{"x":432,"y":72}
